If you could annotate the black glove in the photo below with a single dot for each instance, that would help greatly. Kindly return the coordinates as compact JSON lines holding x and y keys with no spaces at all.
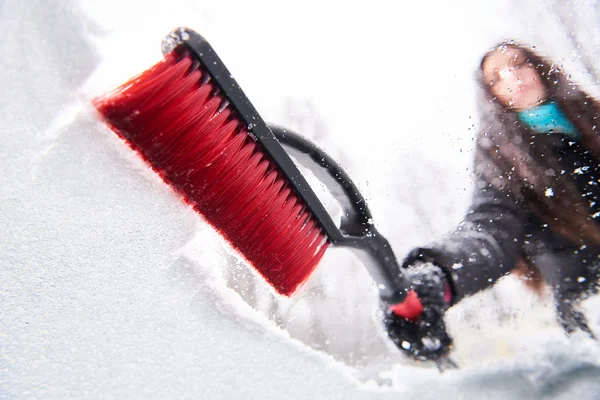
{"x":425,"y":337}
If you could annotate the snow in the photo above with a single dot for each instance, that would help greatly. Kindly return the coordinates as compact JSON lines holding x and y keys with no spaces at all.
{"x":110,"y":287}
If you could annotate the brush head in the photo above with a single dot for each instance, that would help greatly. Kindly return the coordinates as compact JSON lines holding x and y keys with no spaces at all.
{"x":180,"y":122}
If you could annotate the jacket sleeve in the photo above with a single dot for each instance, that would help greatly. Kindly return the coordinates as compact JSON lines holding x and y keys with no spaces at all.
{"x":483,"y":247}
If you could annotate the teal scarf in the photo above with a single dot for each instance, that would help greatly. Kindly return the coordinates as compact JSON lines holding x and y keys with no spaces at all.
{"x":548,"y":118}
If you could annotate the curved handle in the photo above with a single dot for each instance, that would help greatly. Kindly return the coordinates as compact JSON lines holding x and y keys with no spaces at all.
{"x":356,"y":229}
{"x":357,"y":219}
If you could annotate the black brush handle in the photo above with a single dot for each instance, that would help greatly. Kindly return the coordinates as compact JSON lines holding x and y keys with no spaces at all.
{"x":357,"y":230}
{"x":356,"y":220}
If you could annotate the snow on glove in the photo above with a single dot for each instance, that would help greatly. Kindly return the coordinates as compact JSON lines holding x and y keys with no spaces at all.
{"x":417,"y":325}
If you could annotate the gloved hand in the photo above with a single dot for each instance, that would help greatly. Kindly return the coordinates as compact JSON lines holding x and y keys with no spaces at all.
{"x":419,"y":329}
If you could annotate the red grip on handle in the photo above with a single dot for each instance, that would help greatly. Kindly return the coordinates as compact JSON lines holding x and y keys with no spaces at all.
{"x":411,"y":308}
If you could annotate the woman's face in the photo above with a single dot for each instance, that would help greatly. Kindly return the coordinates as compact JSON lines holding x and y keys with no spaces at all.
{"x":512,"y":80}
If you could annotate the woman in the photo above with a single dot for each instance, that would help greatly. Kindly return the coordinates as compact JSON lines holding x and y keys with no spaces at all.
{"x":535,"y":208}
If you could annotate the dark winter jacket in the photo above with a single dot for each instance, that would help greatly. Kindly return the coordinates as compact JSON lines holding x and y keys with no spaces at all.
{"x":498,"y":229}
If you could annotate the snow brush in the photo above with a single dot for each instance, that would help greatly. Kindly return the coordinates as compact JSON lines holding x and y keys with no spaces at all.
{"x":188,"y":118}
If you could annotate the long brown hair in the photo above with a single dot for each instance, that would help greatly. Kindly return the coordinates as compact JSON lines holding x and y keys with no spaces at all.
{"x":508,"y":157}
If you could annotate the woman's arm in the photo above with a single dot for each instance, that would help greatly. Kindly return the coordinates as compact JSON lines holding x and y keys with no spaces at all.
{"x":483,"y":248}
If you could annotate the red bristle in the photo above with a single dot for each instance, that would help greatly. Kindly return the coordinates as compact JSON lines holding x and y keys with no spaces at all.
{"x":171,"y":115}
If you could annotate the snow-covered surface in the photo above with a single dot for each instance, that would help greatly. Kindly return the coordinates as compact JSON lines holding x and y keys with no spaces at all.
{"x":110,"y":287}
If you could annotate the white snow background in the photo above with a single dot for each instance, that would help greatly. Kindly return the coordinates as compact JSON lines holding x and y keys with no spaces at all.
{"x":111,"y":287}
